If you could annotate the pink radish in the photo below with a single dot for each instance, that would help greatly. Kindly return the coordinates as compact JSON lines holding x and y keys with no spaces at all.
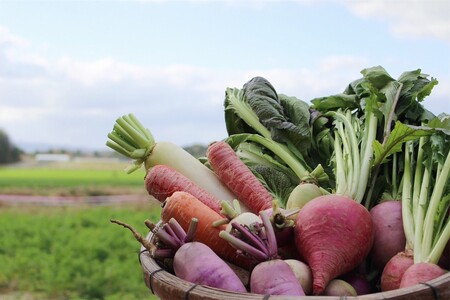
{"x":394,"y":269}
{"x":389,"y":236}
{"x":192,"y":261}
{"x":333,"y":234}
{"x":162,"y":181}
{"x":238,"y":177}
{"x":420,"y":273}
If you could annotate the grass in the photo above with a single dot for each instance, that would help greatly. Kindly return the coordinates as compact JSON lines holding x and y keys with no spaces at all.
{"x":70,"y":179}
{"x":72,"y":253}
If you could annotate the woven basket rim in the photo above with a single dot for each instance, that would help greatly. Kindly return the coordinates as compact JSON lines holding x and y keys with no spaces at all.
{"x":160,"y":280}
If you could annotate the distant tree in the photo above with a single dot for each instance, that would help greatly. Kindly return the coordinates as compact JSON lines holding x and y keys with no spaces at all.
{"x":8,"y":152}
{"x":196,"y":150}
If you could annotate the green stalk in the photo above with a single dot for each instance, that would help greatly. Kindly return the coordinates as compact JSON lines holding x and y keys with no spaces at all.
{"x":439,"y":187}
{"x":419,"y":214}
{"x":341,"y":180}
{"x":367,"y":154}
{"x":408,"y":222}
{"x":440,"y":245}
{"x":283,"y":153}
{"x":346,"y":165}
{"x":418,"y":174}
{"x":131,"y":139}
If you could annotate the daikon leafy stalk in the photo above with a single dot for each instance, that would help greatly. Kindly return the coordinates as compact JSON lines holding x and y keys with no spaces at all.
{"x":426,"y":191}
{"x":371,"y":120}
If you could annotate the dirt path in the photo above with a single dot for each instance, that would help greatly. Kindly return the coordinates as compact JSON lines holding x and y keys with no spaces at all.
{"x":68,"y":200}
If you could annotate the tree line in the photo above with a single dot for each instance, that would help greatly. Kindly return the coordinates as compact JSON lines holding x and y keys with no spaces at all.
{"x":9,"y":153}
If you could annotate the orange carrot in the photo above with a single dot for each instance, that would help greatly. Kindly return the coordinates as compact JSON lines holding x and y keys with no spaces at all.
{"x":182,"y":206}
{"x":162,"y":181}
{"x":238,"y":177}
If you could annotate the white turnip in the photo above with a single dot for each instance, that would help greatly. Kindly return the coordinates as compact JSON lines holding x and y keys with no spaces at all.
{"x":339,"y":287}
{"x":302,"y":194}
{"x":333,"y":234}
{"x":303,"y":274}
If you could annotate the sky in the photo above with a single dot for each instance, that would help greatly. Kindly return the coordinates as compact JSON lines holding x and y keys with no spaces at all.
{"x":69,"y":69}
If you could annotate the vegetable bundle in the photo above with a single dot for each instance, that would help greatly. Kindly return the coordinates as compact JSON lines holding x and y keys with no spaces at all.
{"x":345,"y":196}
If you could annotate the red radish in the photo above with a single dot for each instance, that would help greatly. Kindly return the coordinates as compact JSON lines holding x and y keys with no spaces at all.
{"x":271,"y":276}
{"x":333,"y":234}
{"x":193,"y":261}
{"x":419,"y":273}
{"x":394,"y":270}
{"x":238,"y":177}
{"x":389,"y":236}
{"x":182,"y":206}
{"x":162,"y":181}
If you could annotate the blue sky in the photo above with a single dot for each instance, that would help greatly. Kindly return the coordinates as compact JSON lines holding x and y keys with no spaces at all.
{"x":68,"y":69}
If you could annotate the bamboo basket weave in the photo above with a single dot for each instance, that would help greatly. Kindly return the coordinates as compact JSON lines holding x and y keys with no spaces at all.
{"x":167,"y":286}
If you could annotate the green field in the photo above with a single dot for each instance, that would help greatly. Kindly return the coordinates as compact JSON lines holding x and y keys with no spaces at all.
{"x":70,"y":179}
{"x":71,"y":252}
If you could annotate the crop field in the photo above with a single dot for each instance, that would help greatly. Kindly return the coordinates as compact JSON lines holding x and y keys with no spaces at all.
{"x":70,"y":179}
{"x":71,"y":252}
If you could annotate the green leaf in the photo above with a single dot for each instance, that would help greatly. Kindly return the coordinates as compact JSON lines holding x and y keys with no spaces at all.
{"x":398,"y":136}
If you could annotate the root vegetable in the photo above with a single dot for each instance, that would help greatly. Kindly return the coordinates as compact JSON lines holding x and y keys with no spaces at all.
{"x":131,"y":139}
{"x":275,"y":277}
{"x":394,"y":270}
{"x":162,"y":181}
{"x":303,"y":274}
{"x":183,"y":207}
{"x":338,"y":287}
{"x":419,"y":273}
{"x":193,"y":261}
{"x":238,"y":177}
{"x":271,"y":276}
{"x":333,"y":234}
{"x":389,"y":236}
{"x":302,"y":194}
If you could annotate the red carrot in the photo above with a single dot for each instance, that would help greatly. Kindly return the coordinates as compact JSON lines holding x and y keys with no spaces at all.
{"x":162,"y":181}
{"x":182,"y":206}
{"x":238,"y":177}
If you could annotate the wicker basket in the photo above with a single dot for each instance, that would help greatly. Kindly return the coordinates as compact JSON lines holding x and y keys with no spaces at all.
{"x":169,"y":287}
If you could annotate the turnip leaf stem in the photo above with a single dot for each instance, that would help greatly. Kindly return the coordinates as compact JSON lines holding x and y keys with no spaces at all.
{"x":243,"y":246}
{"x":440,"y":244}
{"x":270,"y":234}
{"x":367,"y":155}
{"x":251,"y":237}
{"x":408,"y":222}
{"x":191,"y":230}
{"x":436,"y":196}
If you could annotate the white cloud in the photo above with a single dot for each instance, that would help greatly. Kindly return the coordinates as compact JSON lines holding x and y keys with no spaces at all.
{"x":412,"y":18}
{"x":75,"y":103}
